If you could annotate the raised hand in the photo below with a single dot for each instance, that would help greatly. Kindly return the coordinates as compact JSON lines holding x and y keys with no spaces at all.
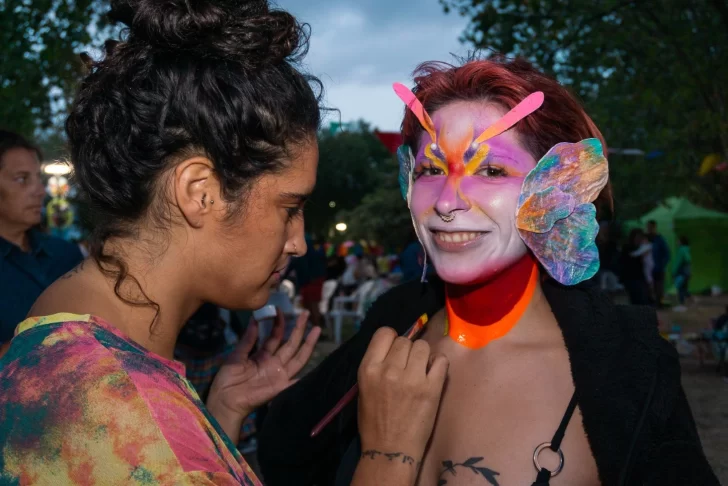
{"x":247,"y":381}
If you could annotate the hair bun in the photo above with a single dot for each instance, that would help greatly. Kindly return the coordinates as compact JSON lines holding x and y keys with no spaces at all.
{"x":245,"y":31}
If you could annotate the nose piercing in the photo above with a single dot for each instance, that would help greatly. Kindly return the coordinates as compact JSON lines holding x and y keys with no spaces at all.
{"x":447,"y":217}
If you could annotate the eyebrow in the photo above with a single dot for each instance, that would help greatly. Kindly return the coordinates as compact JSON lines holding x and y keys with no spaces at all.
{"x":295,"y":196}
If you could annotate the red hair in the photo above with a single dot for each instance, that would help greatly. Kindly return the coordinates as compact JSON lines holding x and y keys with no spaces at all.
{"x":507,"y":82}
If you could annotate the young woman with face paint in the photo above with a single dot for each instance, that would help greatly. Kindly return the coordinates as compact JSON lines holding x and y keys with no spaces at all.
{"x":549,"y":381}
{"x":194,"y":144}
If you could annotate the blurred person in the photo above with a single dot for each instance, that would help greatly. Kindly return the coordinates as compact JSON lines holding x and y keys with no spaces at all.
{"x":644,"y":252}
{"x":608,"y":254}
{"x":30,"y":260}
{"x":682,"y":271}
{"x":350,"y":279}
{"x":412,"y":259}
{"x":632,"y":269}
{"x":310,"y":272}
{"x":661,"y":257}
{"x":505,"y":177}
{"x":193,"y":141}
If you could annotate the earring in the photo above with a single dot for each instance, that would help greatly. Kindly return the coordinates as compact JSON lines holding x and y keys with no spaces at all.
{"x":212,"y":202}
{"x":203,"y":200}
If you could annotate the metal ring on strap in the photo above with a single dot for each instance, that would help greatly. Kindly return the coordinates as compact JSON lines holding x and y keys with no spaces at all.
{"x":547,"y":445}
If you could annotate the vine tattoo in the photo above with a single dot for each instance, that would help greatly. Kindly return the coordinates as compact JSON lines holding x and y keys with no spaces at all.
{"x":74,"y":271}
{"x":392,"y":456}
{"x":472,"y":464}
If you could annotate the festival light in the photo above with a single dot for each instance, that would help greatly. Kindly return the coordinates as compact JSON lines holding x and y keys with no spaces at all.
{"x":341,"y":227}
{"x":57,"y":168}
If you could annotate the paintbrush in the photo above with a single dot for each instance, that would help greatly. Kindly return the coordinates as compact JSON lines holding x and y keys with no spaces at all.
{"x":411,"y":334}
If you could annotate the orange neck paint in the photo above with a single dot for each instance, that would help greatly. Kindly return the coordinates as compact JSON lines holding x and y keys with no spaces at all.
{"x":478,"y":314}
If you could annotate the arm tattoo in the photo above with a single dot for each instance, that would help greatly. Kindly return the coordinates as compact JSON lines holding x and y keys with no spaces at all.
{"x":392,"y":456}
{"x":472,"y":464}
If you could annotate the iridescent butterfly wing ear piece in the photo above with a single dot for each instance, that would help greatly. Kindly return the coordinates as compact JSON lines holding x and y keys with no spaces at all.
{"x":406,"y":169}
{"x":555,"y":216}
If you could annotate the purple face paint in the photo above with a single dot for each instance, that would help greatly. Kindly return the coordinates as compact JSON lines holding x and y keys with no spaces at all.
{"x":464,"y":197}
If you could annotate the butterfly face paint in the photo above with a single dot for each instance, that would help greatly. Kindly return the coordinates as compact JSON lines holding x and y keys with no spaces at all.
{"x":465,"y":187}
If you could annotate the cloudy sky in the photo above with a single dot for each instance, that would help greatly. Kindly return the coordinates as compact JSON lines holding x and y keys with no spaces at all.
{"x":358,"y":49}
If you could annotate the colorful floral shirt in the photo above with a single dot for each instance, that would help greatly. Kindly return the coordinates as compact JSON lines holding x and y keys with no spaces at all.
{"x":82,"y":404}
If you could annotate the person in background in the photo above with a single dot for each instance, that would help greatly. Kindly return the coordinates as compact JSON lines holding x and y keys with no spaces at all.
{"x":608,"y":253}
{"x":30,"y":261}
{"x":644,"y":252}
{"x":661,"y":258}
{"x":310,"y":271}
{"x":412,"y":259}
{"x":632,"y":271}
{"x":681,"y":272}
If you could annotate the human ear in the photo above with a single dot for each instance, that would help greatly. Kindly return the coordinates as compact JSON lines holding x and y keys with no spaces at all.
{"x":196,"y":189}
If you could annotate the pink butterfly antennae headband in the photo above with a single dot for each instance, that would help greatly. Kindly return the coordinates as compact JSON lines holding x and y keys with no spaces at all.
{"x":529,"y":104}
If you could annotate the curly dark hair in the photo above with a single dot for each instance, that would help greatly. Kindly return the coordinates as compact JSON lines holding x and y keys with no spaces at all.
{"x":217,"y":78}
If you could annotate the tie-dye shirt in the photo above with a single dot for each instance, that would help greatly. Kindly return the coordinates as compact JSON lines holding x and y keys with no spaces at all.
{"x":82,"y":404}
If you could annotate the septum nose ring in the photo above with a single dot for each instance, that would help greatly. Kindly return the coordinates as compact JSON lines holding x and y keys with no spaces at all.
{"x":447,"y":217}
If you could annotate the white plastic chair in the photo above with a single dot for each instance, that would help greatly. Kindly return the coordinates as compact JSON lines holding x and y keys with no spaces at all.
{"x":359,"y":297}
{"x":279,"y":300}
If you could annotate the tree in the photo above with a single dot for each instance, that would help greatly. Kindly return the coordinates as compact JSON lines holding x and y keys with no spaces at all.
{"x":40,"y":42}
{"x":352,"y":164}
{"x":651,"y":73}
{"x":382,"y":216}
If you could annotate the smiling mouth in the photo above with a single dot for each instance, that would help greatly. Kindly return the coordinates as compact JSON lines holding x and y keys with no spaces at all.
{"x":458,"y":236}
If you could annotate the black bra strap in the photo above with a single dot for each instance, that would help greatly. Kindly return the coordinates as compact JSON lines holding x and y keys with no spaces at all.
{"x":544,"y":475}
{"x":559,"y":435}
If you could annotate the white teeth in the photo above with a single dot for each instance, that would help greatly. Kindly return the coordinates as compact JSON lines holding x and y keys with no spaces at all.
{"x":460,"y":237}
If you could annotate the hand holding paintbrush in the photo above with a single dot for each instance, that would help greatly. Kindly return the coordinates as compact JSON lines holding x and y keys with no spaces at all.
{"x":400,"y":385}
{"x":411,"y":334}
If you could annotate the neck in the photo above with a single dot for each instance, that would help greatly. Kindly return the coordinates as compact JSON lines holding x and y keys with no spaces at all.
{"x":164,"y":282}
{"x":17,"y":235}
{"x":478,"y":314}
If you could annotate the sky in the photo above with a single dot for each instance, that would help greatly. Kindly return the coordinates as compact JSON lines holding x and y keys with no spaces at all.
{"x":358,"y":49}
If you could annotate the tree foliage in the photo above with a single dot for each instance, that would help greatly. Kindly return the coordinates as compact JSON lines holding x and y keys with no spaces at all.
{"x":650,"y":72}
{"x":40,"y":42}
{"x":381,"y":216}
{"x":352,"y":164}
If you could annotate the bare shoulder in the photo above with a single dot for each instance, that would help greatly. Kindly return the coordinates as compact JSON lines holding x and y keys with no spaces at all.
{"x":70,"y":293}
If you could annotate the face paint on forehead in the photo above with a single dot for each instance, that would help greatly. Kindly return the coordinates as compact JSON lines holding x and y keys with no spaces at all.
{"x":462,"y":145}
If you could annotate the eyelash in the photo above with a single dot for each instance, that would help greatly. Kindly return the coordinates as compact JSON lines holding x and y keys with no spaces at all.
{"x":428,"y":170}
{"x":491,"y":171}
{"x":294,"y":212}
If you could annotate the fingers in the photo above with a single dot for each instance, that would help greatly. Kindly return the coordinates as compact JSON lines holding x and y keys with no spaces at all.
{"x":294,"y":341}
{"x":379,"y":346}
{"x":276,"y":336}
{"x":246,"y":344}
{"x":439,"y":365}
{"x":399,"y":353}
{"x":304,"y":352}
{"x":418,"y":359}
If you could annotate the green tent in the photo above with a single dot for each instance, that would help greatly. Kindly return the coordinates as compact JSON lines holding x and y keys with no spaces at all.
{"x":707,"y":232}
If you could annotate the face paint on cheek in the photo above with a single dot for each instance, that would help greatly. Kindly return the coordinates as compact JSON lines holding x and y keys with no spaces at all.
{"x":425,"y":193}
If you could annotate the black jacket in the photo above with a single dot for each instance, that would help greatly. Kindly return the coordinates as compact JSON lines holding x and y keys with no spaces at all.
{"x":635,"y":414}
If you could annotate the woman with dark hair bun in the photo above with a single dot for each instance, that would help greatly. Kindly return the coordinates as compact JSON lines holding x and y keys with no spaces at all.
{"x":194,"y":146}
